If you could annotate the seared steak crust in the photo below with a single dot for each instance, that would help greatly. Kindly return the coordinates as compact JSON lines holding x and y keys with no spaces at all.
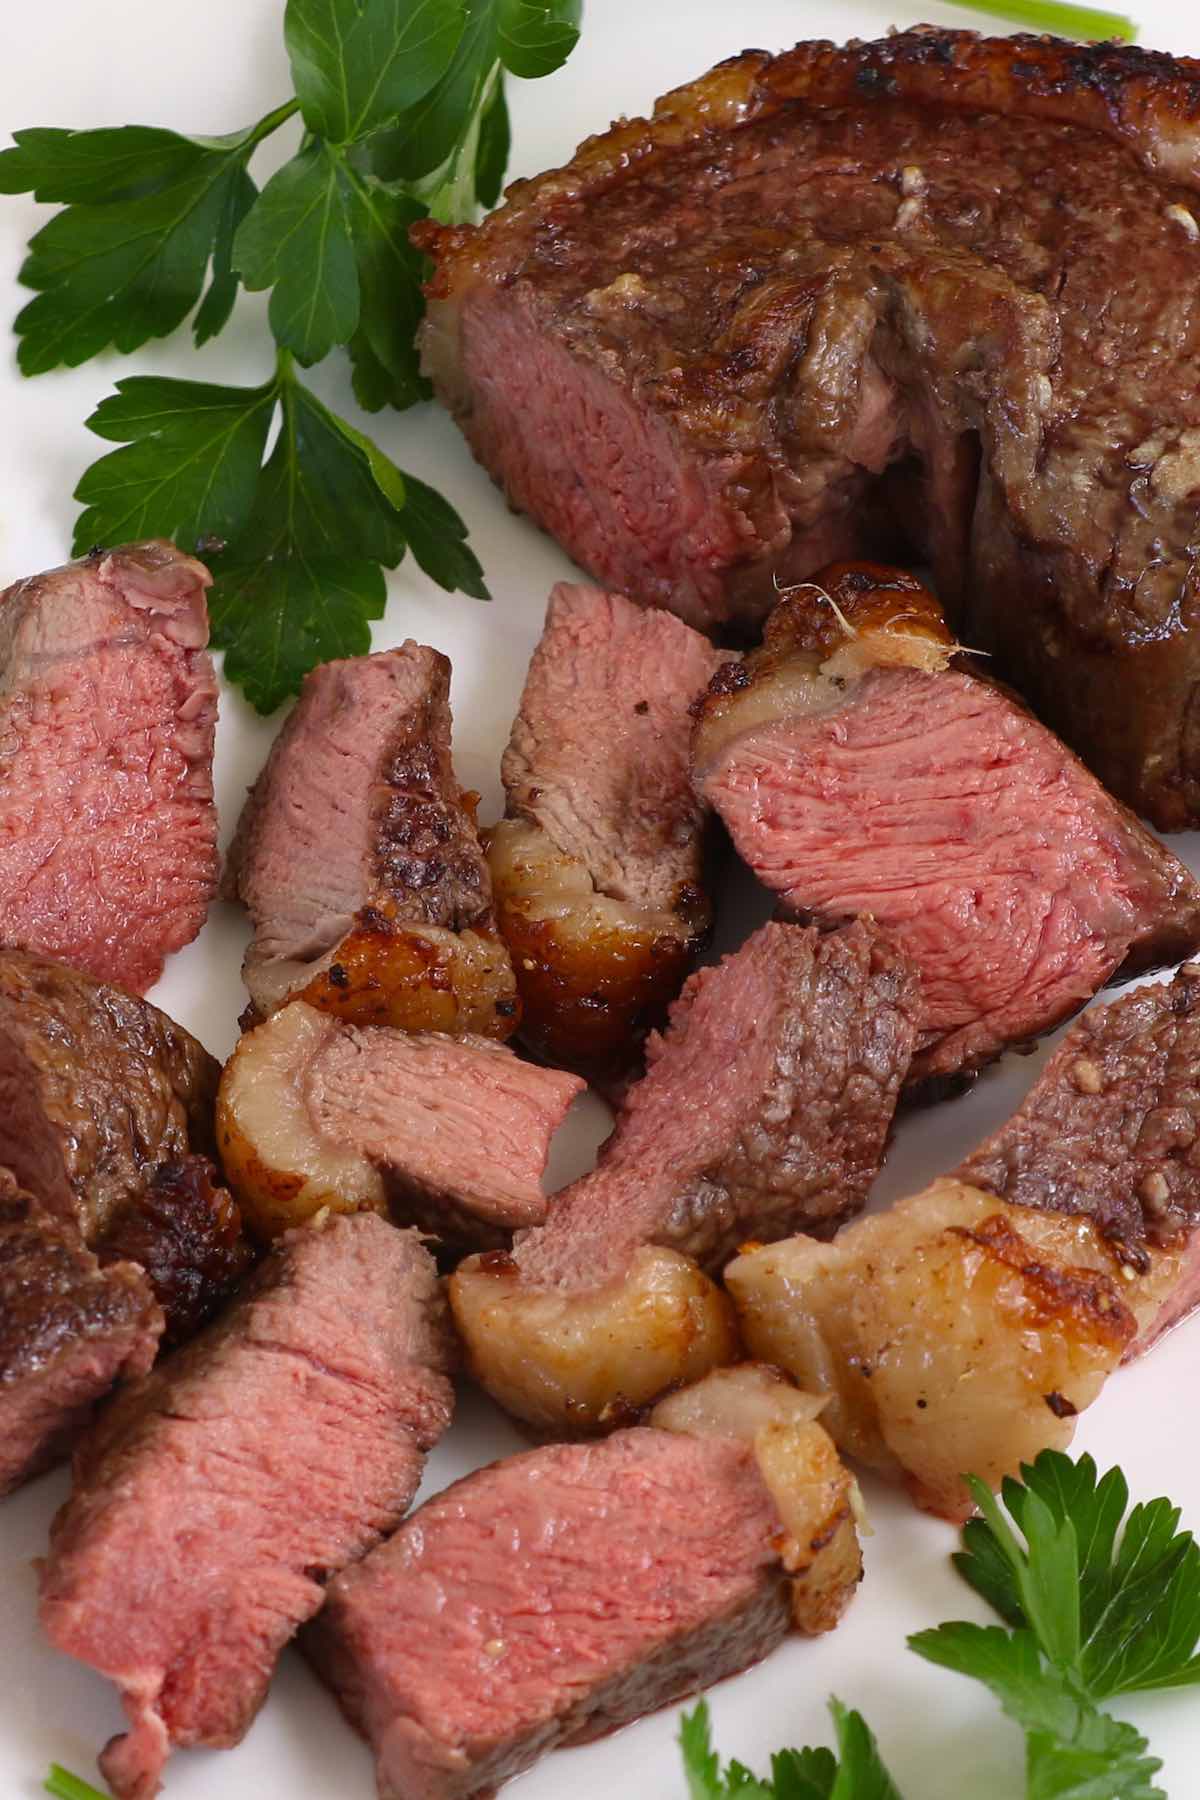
{"x":889,"y":280}
{"x":357,"y":858}
{"x":97,"y":1088}
{"x":185,"y":1232}
{"x":68,"y":1330}
{"x":1112,"y":1127}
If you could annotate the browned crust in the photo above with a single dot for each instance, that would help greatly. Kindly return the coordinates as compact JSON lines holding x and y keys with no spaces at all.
{"x":1082,"y":1300}
{"x":1145,"y":99}
{"x":867,"y":596}
{"x":384,"y":974}
{"x":587,"y":1000}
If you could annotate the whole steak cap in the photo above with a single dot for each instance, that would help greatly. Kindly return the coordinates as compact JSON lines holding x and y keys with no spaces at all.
{"x":846,"y":300}
{"x":108,"y":709}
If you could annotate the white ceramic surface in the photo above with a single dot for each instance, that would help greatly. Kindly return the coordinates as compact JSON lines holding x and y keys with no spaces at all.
{"x":208,"y":68}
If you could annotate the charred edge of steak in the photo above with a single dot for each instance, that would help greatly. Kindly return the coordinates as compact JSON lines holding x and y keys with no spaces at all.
{"x":1146,"y":99}
{"x":185,"y":1231}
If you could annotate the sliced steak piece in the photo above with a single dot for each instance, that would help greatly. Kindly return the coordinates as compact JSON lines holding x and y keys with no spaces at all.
{"x":358,"y":860}
{"x":451,"y":1134}
{"x":860,"y":770}
{"x":108,"y":707}
{"x":632,"y":1573}
{"x":97,"y":1088}
{"x":68,"y":1331}
{"x":216,"y":1497}
{"x":598,"y":866}
{"x":185,"y":1232}
{"x":965,"y":1328}
{"x":765,"y":1106}
{"x":836,"y":292}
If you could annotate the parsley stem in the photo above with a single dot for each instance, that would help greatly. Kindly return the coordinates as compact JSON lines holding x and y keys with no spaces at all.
{"x":271,"y":122}
{"x":64,"y":1786}
{"x":1084,"y":23}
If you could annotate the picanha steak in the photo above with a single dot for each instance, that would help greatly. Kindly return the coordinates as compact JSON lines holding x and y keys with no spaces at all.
{"x":214,"y":1499}
{"x":108,"y":708}
{"x":597,"y":866}
{"x":937,"y":289}
{"x":966,"y":1327}
{"x":450,"y":1134}
{"x":357,"y":858}
{"x":559,"y":1594}
{"x":860,"y":767}
{"x":765,"y":1108}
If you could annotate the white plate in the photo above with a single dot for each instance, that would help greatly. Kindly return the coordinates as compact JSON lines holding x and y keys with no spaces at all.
{"x":209,"y":68}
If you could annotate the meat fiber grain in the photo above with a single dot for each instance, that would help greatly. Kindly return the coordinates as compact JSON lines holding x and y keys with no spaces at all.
{"x":108,"y":709}
{"x":860,"y":768}
{"x":213,"y":1502}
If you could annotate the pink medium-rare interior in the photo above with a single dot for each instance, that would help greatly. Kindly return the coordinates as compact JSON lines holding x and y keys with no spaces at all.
{"x":503,"y":1601}
{"x":108,"y":855}
{"x":208,"y":1510}
{"x":599,"y":750}
{"x":702,"y":1077}
{"x":309,"y":819}
{"x":937,"y":805}
{"x":576,"y":452}
{"x":464,"y":1117}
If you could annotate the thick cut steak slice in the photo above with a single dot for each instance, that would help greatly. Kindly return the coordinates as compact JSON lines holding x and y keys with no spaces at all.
{"x":215,"y":1498}
{"x":559,"y":1594}
{"x":826,"y":296}
{"x":965,"y":1328}
{"x":96,"y":1089}
{"x":451,"y":1134}
{"x":108,"y":707}
{"x":859,"y":769}
{"x":358,"y":860}
{"x":68,"y":1331}
{"x":765,"y":1107}
{"x":598,"y":866}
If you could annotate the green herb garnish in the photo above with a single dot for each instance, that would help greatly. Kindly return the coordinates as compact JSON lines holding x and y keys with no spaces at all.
{"x":1084,"y":23}
{"x":65,"y":1786}
{"x":1097,"y":1600}
{"x":403,"y":112}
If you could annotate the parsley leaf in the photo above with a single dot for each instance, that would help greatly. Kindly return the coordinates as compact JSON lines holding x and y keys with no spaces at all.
{"x":382,"y":349}
{"x":495,"y":142}
{"x":188,"y":467}
{"x":126,"y":260}
{"x":296,"y":241}
{"x":356,"y":66}
{"x":1119,"y":1608}
{"x":218,"y":302}
{"x":795,"y":1774}
{"x":438,"y":539}
{"x":537,"y":36}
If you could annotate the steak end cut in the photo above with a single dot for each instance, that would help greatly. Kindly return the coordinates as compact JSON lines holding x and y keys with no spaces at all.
{"x":838,"y":300}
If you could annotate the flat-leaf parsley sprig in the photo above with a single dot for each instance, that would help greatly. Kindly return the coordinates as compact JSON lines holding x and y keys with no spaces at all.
{"x":403,"y":112}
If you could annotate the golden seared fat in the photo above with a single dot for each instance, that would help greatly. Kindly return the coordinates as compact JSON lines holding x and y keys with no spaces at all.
{"x":953,"y":1334}
{"x":575,"y":1362}
{"x":277,"y":1162}
{"x":592,"y":971}
{"x":814,"y":1493}
{"x":418,"y":978}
